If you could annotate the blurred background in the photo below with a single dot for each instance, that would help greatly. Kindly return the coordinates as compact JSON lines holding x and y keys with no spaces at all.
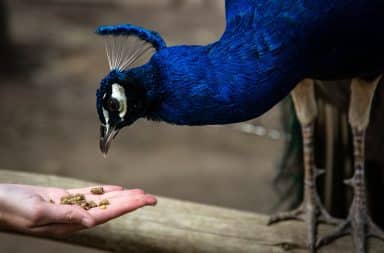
{"x":51,"y":65}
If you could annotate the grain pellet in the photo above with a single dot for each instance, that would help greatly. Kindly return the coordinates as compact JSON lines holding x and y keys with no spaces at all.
{"x":97,"y":190}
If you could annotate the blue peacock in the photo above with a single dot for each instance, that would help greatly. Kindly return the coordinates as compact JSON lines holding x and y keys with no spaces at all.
{"x":270,"y":48}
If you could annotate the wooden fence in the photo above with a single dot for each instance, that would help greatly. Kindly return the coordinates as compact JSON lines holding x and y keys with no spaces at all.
{"x":184,"y":227}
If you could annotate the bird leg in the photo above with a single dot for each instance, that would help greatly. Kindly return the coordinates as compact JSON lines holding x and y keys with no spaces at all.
{"x":311,"y":211}
{"x":358,"y":223}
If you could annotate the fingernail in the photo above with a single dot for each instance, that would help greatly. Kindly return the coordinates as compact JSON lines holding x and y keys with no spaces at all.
{"x":87,"y":222}
{"x":151,"y":200}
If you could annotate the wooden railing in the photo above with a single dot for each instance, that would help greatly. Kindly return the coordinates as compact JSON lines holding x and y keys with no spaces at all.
{"x":184,"y":227}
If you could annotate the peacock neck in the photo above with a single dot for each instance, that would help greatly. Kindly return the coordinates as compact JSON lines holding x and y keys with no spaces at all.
{"x":250,"y":69}
{"x":203,"y":85}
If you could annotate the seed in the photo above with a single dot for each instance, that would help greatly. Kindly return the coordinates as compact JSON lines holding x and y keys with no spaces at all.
{"x":79,"y":196}
{"x":65,"y":202}
{"x":104,"y":202}
{"x":85,"y":205}
{"x":80,"y":200}
{"x":51,"y":201}
{"x":72,"y":199}
{"x":92,"y":204}
{"x":97,"y":190}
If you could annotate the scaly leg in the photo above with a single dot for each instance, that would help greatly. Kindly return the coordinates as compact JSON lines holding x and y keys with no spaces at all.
{"x":311,"y":211}
{"x":358,"y":223}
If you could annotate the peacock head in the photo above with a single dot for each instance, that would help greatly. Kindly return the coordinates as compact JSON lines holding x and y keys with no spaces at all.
{"x":122,"y":97}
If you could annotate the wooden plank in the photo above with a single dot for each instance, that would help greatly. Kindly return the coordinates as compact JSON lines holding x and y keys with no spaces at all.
{"x":184,"y":227}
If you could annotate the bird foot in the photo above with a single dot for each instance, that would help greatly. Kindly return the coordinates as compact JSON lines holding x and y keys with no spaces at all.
{"x":359,"y":225}
{"x":311,"y":212}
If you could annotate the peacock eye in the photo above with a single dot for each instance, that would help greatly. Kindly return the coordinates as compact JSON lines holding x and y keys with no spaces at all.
{"x":113,"y":105}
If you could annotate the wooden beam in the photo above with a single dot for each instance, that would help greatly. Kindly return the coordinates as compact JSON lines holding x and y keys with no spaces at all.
{"x":184,"y":227}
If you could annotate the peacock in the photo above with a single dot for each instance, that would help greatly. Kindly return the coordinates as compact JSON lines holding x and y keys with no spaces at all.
{"x":269,"y":49}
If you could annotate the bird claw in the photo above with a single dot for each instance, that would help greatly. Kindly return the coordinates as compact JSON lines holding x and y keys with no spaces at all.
{"x":341,"y":230}
{"x":291,"y":215}
{"x":326,"y":218}
{"x":360,"y":231}
{"x":351,"y":181}
{"x":320,"y":172}
{"x":312,"y":212}
{"x":375,"y":231}
{"x":308,"y":215}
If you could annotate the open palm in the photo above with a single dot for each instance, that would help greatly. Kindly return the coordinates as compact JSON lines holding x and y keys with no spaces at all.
{"x":37,"y":210}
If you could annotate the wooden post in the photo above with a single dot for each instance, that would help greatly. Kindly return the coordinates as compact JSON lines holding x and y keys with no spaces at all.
{"x":184,"y":227}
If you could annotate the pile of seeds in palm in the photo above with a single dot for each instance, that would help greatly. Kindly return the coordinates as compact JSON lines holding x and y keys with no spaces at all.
{"x":80,"y":200}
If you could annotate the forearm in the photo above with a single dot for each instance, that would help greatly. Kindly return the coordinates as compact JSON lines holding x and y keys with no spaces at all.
{"x":2,"y":208}
{"x":6,"y":207}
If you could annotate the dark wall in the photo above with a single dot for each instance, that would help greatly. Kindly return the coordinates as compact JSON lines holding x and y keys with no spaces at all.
{"x":4,"y":36}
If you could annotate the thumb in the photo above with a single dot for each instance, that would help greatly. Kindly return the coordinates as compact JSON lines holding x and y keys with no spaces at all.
{"x":66,"y":214}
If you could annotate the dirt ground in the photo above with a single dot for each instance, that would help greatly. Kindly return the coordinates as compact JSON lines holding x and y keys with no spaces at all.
{"x":49,"y":122}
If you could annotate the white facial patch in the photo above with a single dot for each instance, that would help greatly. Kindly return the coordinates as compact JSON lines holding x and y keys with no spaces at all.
{"x":105,"y":112}
{"x":106,"y":115}
{"x":118,"y":93}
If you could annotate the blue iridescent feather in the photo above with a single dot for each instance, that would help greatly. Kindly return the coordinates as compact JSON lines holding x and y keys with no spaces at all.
{"x":266,"y":49}
{"x":127,"y":29}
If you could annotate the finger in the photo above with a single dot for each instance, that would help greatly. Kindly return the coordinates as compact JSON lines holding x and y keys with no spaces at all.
{"x":57,"y":230}
{"x":120,"y":206}
{"x":87,"y":190}
{"x":63,"y":214}
{"x":115,"y":194}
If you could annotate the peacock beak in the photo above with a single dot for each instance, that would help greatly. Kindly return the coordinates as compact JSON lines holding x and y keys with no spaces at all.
{"x":107,"y":134}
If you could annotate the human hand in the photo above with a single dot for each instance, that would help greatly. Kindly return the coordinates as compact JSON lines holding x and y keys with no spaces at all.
{"x":37,"y":210}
